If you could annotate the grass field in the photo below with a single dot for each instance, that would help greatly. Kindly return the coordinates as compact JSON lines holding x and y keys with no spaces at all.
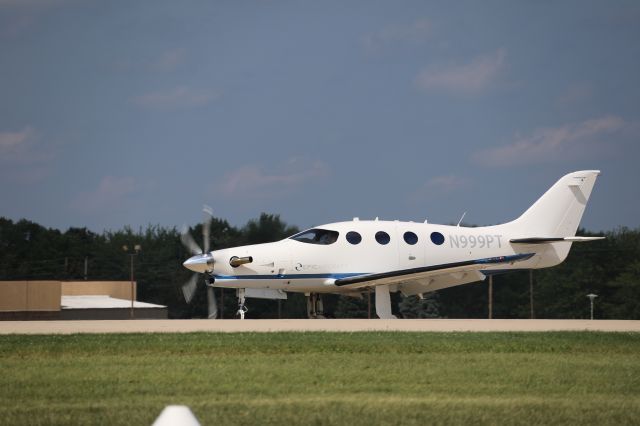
{"x":323,"y":378}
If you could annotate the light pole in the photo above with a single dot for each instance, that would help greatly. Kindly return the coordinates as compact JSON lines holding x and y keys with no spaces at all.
{"x":136,"y":249}
{"x":531,"y":314}
{"x":591,"y":298}
{"x":490,"y":297}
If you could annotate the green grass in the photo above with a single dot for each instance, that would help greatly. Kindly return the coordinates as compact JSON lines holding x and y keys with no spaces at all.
{"x":323,"y":378}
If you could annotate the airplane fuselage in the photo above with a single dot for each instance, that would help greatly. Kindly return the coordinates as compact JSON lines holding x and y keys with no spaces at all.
{"x":413,"y":258}
{"x":373,"y":247}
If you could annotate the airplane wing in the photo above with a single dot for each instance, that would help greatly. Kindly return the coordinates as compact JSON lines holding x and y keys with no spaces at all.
{"x":543,"y":240}
{"x":417,"y":274}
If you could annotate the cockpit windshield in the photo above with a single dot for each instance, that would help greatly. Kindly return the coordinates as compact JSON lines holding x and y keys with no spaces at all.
{"x":316,"y":236}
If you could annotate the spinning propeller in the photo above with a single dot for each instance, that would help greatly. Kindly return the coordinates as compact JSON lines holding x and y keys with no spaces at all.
{"x":201,"y":263}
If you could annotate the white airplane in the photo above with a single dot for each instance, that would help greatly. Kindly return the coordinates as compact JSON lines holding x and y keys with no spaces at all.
{"x":389,"y":256}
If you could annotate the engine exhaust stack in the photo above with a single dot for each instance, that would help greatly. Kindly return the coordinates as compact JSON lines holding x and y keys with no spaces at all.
{"x":236,"y":261}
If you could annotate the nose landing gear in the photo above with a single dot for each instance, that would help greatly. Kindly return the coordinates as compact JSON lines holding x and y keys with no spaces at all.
{"x":242,"y":309}
{"x":212,"y":303}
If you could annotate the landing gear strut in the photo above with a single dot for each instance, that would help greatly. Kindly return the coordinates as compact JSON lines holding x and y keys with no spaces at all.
{"x":315,"y":309}
{"x":242,"y":309}
{"x":212,"y":303}
{"x":383,"y":302}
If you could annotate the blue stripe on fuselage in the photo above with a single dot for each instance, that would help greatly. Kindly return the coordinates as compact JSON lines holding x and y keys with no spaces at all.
{"x":487,"y":261}
{"x":287,"y":276}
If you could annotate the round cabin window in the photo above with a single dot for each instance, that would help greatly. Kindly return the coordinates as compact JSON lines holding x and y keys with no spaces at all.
{"x":382,"y":237}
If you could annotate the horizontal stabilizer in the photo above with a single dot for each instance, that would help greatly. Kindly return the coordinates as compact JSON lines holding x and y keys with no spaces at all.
{"x":542,"y":240}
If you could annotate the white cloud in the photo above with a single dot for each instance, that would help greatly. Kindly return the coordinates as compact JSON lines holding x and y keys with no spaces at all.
{"x":415,"y":32}
{"x":11,"y":142}
{"x":169,"y":60}
{"x":551,"y":144}
{"x":32,"y":3}
{"x":164,"y":61}
{"x":180,"y":97}
{"x":446,"y":183}
{"x":252,"y":181}
{"x":24,"y":159}
{"x":472,"y":77}
{"x":23,"y":147}
{"x":18,"y":17}
{"x":111,"y":191}
{"x":576,"y":93}
{"x":438,"y":186}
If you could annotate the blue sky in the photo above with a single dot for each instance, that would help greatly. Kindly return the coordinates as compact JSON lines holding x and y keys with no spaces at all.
{"x":134,"y":113}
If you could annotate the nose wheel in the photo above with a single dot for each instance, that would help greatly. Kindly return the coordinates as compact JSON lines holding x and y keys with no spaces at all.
{"x":242,"y":308}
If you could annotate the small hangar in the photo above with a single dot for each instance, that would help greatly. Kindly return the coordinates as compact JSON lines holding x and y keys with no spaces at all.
{"x":69,"y":300}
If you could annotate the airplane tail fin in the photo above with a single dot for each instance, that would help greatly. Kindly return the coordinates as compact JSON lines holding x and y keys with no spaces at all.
{"x":558,"y":212}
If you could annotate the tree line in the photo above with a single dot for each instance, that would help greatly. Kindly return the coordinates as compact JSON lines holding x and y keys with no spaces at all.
{"x":609,"y":268}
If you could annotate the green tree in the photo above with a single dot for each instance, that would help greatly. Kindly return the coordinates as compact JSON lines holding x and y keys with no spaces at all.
{"x":415,"y":307}
{"x":352,"y":307}
{"x":622,"y":295}
{"x":608,"y":268}
{"x":266,"y":229}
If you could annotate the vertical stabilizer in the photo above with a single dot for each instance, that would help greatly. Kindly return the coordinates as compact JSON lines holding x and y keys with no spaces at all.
{"x":558,"y":212}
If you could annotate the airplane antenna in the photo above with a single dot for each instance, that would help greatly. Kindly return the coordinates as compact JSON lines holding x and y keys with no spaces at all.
{"x":460,"y":221}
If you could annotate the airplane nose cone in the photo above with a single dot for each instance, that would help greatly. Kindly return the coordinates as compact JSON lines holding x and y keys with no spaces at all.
{"x":199,"y":263}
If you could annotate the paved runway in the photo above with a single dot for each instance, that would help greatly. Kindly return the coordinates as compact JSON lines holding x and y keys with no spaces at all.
{"x":348,"y":325}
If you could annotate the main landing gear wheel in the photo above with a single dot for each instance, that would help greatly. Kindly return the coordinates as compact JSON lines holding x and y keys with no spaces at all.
{"x":315,"y":309}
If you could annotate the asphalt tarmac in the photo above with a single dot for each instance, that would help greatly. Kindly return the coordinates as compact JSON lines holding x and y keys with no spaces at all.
{"x":335,"y":325}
